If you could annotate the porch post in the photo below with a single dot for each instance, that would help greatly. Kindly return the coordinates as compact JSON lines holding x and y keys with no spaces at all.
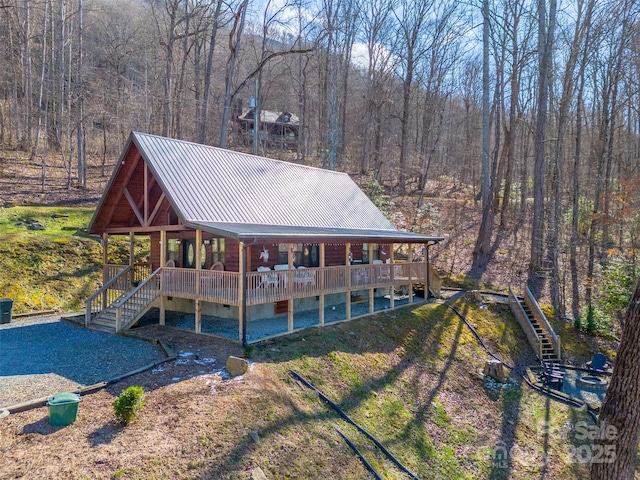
{"x":242,"y":303}
{"x":426,"y":272}
{"x":371,"y":280}
{"x":392,"y":288}
{"x":289,"y":284}
{"x":163,"y":261}
{"x":321,"y":283}
{"x":347,"y":262}
{"x":410,"y":261}
{"x":105,"y":260}
{"x":132,"y":274}
{"x":198,"y":311}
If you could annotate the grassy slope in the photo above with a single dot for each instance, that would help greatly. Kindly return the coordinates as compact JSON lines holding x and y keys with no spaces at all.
{"x":412,"y":379}
{"x":55,"y":268}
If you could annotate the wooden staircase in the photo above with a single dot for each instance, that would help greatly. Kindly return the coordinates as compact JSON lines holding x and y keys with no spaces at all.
{"x":126,"y":309}
{"x":535,"y":325}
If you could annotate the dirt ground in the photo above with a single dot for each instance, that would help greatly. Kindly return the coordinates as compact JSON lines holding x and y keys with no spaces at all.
{"x":183,"y":396}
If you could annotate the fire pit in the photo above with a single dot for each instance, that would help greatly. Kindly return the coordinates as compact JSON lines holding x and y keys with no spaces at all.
{"x":592,"y":382}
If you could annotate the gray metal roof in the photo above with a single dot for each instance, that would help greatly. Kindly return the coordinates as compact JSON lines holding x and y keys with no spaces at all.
{"x":247,"y":196}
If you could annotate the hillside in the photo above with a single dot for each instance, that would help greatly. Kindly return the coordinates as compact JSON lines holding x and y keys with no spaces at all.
{"x":411,"y":377}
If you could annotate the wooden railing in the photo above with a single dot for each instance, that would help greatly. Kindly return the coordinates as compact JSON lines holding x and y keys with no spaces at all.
{"x":541,"y":318}
{"x":129,"y":306}
{"x":117,"y":285}
{"x":435,"y":282}
{"x":110,"y":270}
{"x":207,"y":285}
{"x":261,"y":287}
{"x":521,"y":316}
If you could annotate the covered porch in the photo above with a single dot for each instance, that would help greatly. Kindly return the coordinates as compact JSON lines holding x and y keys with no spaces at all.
{"x":231,"y":288}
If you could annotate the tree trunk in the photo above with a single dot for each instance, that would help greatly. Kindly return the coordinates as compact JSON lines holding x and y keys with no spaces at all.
{"x":545,"y":42}
{"x":619,"y":422}
{"x":207,"y":76}
{"x":483,"y":242}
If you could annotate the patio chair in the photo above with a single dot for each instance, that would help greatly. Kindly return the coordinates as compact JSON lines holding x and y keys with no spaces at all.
{"x":552,"y":376}
{"x":598,"y":363}
{"x":268,"y":279}
{"x":383,"y":271}
{"x":303,"y":277}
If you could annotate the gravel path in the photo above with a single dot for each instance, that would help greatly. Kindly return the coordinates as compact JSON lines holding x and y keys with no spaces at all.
{"x":43,"y":356}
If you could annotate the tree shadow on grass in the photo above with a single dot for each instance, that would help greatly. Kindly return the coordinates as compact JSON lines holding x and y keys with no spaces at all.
{"x":418,"y":339}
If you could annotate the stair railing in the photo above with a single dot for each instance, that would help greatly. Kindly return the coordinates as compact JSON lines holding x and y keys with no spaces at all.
{"x":129,"y":306}
{"x":543,"y":322}
{"x":106,"y":294}
{"x":521,"y":316}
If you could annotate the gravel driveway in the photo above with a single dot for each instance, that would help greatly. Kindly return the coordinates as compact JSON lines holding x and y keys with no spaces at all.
{"x":43,"y":356}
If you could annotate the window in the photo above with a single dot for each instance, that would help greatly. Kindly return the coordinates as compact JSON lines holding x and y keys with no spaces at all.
{"x":203,"y":255}
{"x":283,"y":254}
{"x":217,"y":250}
{"x":174,"y":246}
{"x":365,"y":253}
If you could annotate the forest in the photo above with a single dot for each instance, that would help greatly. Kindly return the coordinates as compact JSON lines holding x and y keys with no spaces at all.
{"x":532,"y":106}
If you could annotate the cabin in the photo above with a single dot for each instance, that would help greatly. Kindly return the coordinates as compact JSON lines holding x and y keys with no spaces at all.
{"x":247,"y":247}
{"x":275,"y":128}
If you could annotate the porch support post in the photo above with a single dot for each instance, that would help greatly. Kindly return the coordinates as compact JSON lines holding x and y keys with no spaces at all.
{"x":242,"y":303}
{"x":347,"y":262}
{"x":371,"y":281}
{"x":289,"y":284}
{"x":321,"y":283}
{"x":132,"y":257}
{"x":163,"y":261}
{"x":198,"y":315}
{"x":163,"y":308}
{"x":410,"y":261}
{"x":198,"y":311}
{"x":392,"y":288}
{"x":105,"y":260}
{"x":426,"y":271}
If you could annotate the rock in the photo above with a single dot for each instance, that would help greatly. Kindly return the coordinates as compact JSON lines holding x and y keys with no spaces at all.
{"x":254,"y":436}
{"x":495,"y":369}
{"x":258,"y":474}
{"x":35,"y":226}
{"x":237,"y":366}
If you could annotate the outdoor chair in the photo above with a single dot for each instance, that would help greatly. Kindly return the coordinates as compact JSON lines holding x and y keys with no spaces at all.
{"x":598,"y":363}
{"x":302,"y":277}
{"x":552,"y":376}
{"x":268,"y":279}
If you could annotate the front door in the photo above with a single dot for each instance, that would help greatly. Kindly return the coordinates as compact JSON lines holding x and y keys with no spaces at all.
{"x":189,"y":253}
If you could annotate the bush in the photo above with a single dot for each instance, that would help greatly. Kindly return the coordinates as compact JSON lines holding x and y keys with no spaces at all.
{"x":127,"y":405}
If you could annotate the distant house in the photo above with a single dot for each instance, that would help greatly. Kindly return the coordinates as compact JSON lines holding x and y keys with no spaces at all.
{"x":237,"y":239}
{"x":275,"y":128}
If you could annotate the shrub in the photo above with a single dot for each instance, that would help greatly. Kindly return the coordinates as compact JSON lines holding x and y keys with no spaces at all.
{"x":127,"y":405}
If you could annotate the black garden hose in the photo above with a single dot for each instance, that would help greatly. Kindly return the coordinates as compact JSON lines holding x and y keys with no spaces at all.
{"x":346,"y":417}
{"x":543,"y":391}
{"x":360,"y":456}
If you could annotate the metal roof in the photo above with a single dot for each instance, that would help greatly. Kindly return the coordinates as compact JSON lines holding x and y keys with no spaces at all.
{"x":245,"y":196}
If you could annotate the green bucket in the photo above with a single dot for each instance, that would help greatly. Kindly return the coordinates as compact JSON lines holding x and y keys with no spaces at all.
{"x":63,"y":408}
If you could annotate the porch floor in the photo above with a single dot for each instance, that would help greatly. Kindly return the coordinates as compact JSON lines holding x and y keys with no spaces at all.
{"x":262,"y":328}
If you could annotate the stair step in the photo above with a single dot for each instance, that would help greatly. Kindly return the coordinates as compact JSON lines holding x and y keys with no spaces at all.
{"x":102,"y":328}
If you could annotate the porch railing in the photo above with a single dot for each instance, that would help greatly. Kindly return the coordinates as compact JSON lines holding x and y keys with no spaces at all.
{"x":272,"y":285}
{"x":134,"y":302}
{"x":112,"y":289}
